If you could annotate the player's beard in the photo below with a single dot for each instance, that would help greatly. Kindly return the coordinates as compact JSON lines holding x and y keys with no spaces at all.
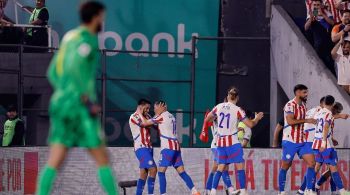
{"x":304,"y":99}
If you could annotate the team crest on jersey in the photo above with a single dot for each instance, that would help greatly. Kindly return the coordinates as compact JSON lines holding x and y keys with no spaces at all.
{"x":288,"y":156}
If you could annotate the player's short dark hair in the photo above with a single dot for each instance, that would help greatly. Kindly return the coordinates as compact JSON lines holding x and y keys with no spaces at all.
{"x":160,"y":102}
{"x":89,"y":10}
{"x":143,"y":102}
{"x":318,"y":1}
{"x":249,"y":114}
{"x":322,"y":99}
{"x":299,"y":87}
{"x":337,"y":108}
{"x":329,"y":100}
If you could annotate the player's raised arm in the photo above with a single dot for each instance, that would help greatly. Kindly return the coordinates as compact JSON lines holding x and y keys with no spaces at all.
{"x":252,"y":123}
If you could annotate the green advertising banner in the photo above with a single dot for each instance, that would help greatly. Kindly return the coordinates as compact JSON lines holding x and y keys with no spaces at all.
{"x":151,"y":25}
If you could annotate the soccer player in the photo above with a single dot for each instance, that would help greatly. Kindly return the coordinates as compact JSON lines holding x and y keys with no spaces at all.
{"x":229,"y":149}
{"x":293,"y":140}
{"x":225,"y":174}
{"x":323,"y":143}
{"x":170,"y":146}
{"x":73,"y":109}
{"x":309,"y":133}
{"x":336,"y":110}
{"x":143,"y":147}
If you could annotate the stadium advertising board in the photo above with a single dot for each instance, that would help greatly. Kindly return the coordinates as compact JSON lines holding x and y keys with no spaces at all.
{"x":19,"y":169}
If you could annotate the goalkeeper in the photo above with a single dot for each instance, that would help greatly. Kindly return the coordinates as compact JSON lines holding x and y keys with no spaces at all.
{"x":73,"y":109}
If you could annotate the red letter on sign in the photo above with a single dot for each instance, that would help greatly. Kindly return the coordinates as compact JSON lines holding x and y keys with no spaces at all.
{"x":266,"y":173}
{"x":294,"y":174}
{"x":2,"y":173}
{"x":275,"y":174}
{"x":250,"y":174}
{"x":343,"y":168}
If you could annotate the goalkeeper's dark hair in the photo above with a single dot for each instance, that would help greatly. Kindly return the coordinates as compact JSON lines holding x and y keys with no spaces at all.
{"x":143,"y":102}
{"x":88,"y":10}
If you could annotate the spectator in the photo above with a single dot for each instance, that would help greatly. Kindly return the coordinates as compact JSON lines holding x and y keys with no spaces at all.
{"x":13,"y":129}
{"x":244,"y":132}
{"x":329,"y":5}
{"x":40,"y":17}
{"x":343,"y":28}
{"x":340,"y":54}
{"x":318,"y":24}
{"x":277,"y":136}
{"x":3,"y":21}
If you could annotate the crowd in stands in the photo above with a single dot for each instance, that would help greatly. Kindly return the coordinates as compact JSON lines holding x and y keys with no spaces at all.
{"x":327,"y":28}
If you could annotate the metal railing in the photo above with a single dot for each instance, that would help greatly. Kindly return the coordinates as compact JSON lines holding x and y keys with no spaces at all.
{"x":103,"y":77}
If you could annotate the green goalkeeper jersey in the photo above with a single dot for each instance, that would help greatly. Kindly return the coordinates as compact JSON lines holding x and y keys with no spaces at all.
{"x":72,"y":72}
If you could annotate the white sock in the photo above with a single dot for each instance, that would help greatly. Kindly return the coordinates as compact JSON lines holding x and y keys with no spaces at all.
{"x":194,"y":190}
{"x":231,"y":190}
{"x":317,"y":186}
{"x":243,"y":190}
{"x":213,"y":192}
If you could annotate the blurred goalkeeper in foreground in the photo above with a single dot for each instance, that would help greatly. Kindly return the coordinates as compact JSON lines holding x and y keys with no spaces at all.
{"x":73,"y":109}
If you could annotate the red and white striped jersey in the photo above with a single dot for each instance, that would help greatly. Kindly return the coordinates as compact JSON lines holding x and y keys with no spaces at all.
{"x":228,"y":115}
{"x":167,"y":130}
{"x":323,"y":117}
{"x":294,"y":133}
{"x":214,"y":132}
{"x":141,"y":135}
{"x":309,"y":128}
{"x":331,"y":8}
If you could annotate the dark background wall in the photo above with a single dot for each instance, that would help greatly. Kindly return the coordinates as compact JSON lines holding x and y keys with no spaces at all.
{"x":245,"y":63}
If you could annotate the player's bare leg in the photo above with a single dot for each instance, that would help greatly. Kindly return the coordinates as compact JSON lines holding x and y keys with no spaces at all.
{"x":285,"y":165}
{"x":104,"y":171}
{"x":310,"y":174}
{"x":48,"y":174}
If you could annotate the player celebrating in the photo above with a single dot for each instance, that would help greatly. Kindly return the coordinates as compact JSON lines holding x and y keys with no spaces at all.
{"x":336,"y":110}
{"x":73,"y":109}
{"x":293,"y":140}
{"x":323,"y":144}
{"x":213,"y":146}
{"x":309,"y":134}
{"x":170,"y":146}
{"x":229,"y":149}
{"x":143,"y":148}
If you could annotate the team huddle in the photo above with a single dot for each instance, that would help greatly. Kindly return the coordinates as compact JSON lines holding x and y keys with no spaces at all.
{"x":310,"y":135}
{"x":307,"y":133}
{"x":226,"y":146}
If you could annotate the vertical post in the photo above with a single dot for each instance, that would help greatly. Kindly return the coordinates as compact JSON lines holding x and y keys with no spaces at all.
{"x":20,"y":83}
{"x":16,"y":11}
{"x":103,"y":92}
{"x":192,"y":97}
